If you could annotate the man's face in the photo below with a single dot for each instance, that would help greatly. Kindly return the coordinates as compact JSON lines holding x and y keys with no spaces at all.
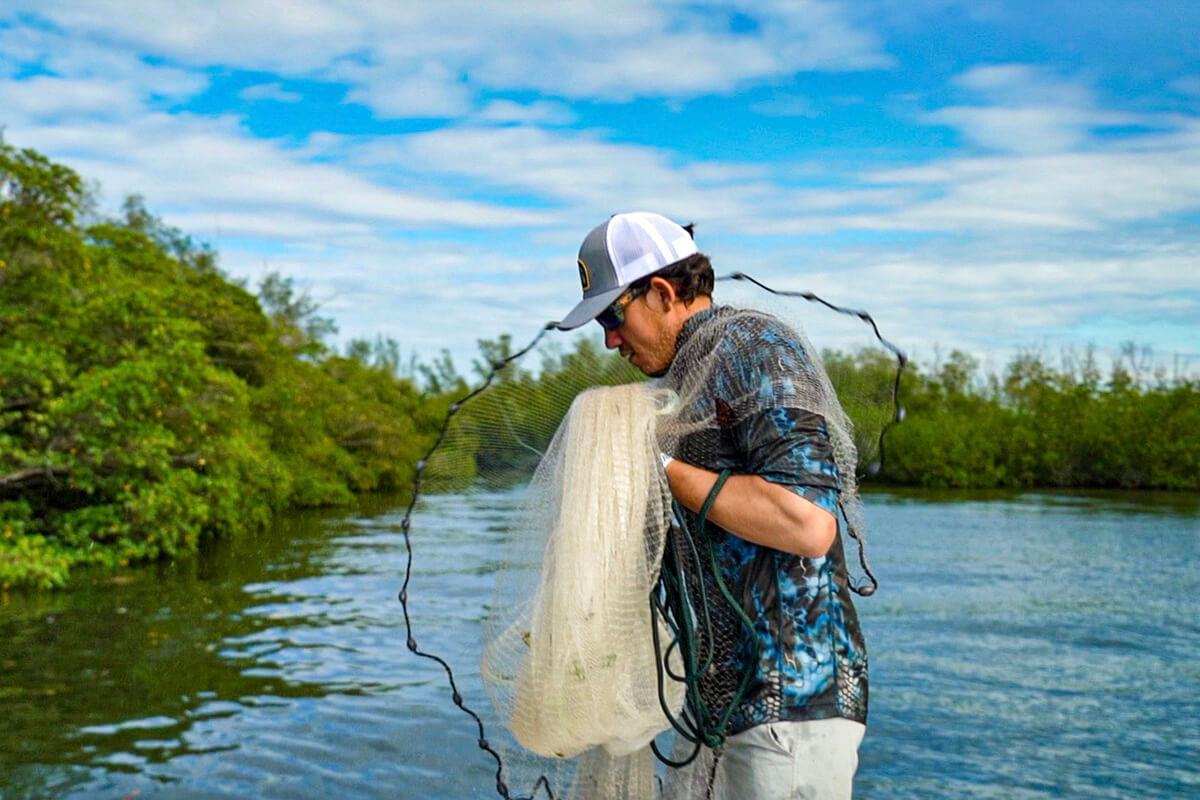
{"x":646,"y":338}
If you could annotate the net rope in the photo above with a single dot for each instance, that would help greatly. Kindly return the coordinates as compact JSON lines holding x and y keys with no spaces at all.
{"x":666,"y":610}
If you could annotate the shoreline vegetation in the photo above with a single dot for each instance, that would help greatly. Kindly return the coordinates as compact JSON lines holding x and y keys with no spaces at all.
{"x":148,"y":403}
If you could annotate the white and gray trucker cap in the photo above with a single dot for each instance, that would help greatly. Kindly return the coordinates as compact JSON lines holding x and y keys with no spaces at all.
{"x":618,"y":252}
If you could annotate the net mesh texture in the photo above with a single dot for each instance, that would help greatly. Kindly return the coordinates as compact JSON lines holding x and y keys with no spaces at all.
{"x":570,"y":661}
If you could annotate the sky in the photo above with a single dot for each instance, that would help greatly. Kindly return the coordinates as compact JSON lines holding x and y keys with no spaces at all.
{"x":993,"y":177}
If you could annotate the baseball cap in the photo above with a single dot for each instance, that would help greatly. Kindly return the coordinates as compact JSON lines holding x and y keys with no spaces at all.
{"x":619,"y":251}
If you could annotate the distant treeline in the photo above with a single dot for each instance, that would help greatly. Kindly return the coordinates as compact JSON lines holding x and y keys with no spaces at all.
{"x":1037,"y":425}
{"x":148,"y":402}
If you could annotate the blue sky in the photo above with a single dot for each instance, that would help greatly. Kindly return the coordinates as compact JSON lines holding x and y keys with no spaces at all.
{"x":988,"y":176}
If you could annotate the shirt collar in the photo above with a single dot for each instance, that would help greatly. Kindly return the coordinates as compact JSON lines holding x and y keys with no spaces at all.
{"x":695,"y":321}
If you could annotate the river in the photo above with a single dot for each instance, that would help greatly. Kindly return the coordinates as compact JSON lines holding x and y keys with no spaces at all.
{"x":1028,"y":645}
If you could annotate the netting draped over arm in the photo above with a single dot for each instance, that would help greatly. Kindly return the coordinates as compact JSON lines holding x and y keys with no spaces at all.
{"x":569,"y":660}
{"x":759,"y":380}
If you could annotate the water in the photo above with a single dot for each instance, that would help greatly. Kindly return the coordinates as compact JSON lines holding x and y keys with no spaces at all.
{"x":1022,"y":646}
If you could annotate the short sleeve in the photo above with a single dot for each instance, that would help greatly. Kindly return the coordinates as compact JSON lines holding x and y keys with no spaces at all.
{"x":790,"y":446}
{"x":778,"y":440}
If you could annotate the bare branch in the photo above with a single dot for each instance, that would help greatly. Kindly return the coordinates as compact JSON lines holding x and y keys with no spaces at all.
{"x":31,"y":475}
{"x":18,"y":404}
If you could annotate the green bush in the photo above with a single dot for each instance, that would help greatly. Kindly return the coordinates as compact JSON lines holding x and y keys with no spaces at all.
{"x":1037,"y":426}
{"x":147,"y":402}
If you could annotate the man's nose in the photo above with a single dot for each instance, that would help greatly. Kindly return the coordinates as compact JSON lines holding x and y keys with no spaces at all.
{"x":611,"y":339}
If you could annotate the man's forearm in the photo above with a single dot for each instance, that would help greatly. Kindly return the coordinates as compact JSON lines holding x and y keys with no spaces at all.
{"x":756,"y":510}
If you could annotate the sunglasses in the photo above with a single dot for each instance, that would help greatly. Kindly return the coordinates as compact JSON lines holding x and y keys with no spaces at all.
{"x":613,"y":317}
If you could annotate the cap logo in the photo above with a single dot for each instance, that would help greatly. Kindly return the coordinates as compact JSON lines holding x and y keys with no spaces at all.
{"x":585,"y":275}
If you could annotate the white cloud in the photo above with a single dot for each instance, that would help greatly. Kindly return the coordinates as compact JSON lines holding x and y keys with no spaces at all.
{"x":1014,"y":84}
{"x":1136,"y":178}
{"x":422,"y":90}
{"x":422,"y":59}
{"x":46,"y":97}
{"x":541,"y":112}
{"x":183,"y":163}
{"x":98,"y":111}
{"x":996,"y":302}
{"x":579,"y":168}
{"x":1025,"y":129}
{"x":72,"y":58}
{"x":591,"y":178}
{"x":984,"y":300}
{"x":1026,"y":109}
{"x":304,"y":33}
{"x":360,"y":219}
{"x":427,"y":296}
{"x":269,"y":91}
{"x":277,"y":226}
{"x":1047,"y":169}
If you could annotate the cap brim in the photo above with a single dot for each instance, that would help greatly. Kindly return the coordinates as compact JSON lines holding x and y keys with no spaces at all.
{"x":588,"y":309}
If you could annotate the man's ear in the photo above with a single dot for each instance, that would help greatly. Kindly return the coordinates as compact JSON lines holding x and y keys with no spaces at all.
{"x":665,"y":291}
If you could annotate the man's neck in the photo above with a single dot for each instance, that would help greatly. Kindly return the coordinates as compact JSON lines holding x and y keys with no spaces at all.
{"x":701,"y":303}
{"x":697,"y":306}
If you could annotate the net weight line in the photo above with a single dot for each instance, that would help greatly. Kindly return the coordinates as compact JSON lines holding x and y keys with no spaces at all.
{"x":405,"y":526}
{"x":494,"y":368}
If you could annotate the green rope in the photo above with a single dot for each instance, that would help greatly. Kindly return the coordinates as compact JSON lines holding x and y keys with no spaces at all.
{"x":717,"y":737}
{"x":678,"y":609}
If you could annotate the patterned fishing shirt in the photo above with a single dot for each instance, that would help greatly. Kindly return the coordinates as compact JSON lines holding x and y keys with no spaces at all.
{"x":811,"y":659}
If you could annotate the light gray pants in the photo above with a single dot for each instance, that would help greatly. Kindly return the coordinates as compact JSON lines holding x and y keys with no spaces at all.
{"x":813,"y":760}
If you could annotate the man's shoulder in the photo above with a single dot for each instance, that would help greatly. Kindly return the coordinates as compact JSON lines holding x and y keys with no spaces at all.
{"x":757,"y":361}
{"x":759,"y":341}
{"x":742,"y":327}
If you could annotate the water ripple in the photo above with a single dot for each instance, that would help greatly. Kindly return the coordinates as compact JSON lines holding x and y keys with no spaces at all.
{"x":1022,"y":646}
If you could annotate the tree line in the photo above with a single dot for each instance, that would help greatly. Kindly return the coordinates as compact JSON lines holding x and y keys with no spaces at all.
{"x":149,"y":403}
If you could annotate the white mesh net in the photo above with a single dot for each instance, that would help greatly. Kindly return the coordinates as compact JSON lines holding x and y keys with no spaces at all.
{"x":569,"y":660}
{"x":570,"y":665}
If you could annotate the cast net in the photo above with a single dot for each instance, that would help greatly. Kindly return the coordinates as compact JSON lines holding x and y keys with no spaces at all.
{"x":611,"y":634}
{"x":568,"y":657}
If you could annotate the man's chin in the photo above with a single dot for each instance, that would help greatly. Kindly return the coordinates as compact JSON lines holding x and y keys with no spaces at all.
{"x":655,"y":373}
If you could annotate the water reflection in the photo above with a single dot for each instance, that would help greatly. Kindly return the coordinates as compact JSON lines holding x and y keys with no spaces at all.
{"x":1031,"y":645}
{"x":129,"y":673}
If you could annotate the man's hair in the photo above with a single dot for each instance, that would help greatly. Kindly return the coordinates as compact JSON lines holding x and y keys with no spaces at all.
{"x":692,"y":277}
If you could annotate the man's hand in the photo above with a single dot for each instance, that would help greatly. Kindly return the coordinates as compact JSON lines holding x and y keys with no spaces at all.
{"x":756,"y":510}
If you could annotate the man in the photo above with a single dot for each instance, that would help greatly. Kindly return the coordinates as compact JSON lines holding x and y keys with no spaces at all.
{"x":795,"y":732}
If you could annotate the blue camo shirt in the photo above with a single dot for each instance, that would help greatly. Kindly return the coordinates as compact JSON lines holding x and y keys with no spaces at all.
{"x":811,"y":659}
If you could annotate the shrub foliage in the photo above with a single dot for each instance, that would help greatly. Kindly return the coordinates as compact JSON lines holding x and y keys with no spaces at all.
{"x":147,"y":402}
